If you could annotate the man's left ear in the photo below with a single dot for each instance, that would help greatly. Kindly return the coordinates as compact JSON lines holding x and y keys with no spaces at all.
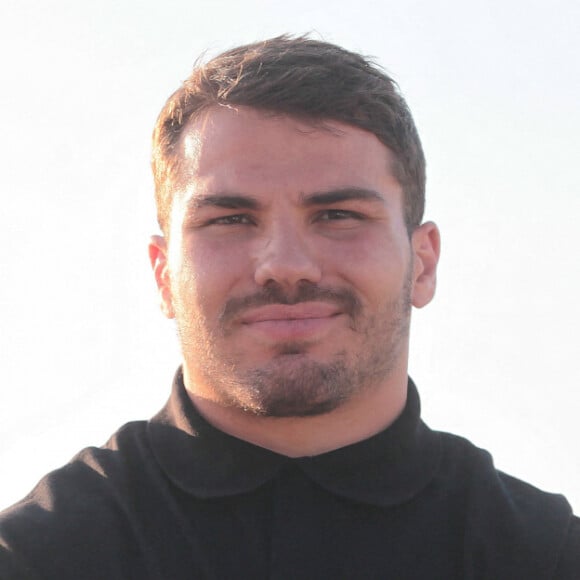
{"x":426,"y":244}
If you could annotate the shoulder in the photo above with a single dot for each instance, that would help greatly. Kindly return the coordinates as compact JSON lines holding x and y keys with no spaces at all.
{"x":508,"y":522}
{"x":469,"y":468}
{"x":80,"y":506}
{"x":91,"y":469}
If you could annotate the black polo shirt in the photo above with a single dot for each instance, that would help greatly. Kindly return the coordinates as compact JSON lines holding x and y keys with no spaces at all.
{"x":174,"y":498}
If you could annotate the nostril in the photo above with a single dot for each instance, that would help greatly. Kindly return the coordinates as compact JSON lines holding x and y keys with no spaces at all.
{"x":287,"y":268}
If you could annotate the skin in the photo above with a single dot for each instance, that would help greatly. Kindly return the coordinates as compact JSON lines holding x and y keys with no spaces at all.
{"x":290,"y":274}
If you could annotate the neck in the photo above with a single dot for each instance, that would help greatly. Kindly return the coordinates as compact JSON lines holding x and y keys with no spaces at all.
{"x":357,"y":419}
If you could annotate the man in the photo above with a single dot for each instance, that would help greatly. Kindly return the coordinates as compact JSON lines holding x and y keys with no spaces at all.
{"x":290,"y":191}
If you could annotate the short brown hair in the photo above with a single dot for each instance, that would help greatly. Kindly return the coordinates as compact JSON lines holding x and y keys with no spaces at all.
{"x":301,"y":77}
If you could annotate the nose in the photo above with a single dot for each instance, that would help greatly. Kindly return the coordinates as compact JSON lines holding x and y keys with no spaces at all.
{"x":286,"y":256}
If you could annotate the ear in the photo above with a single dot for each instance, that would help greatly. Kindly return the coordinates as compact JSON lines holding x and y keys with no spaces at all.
{"x":426,"y":244}
{"x":158,"y":258}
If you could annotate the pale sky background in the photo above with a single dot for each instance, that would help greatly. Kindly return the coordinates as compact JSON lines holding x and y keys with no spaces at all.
{"x":495,"y":90}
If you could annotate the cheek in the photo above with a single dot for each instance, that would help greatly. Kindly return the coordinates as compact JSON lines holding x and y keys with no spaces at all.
{"x":211,"y":271}
{"x":377,"y":265}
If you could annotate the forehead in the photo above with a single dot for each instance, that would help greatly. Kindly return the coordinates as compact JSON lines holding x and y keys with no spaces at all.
{"x":249,"y":151}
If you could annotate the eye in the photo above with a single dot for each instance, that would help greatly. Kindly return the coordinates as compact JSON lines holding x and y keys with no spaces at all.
{"x":232,"y":220}
{"x":338,"y":215}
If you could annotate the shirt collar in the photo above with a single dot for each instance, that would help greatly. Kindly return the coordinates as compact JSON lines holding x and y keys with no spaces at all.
{"x":385,"y":469}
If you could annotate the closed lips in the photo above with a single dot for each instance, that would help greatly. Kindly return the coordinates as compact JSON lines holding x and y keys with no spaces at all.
{"x":282,"y":312}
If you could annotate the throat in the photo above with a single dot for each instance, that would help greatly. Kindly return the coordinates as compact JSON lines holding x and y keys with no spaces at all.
{"x":304,"y":436}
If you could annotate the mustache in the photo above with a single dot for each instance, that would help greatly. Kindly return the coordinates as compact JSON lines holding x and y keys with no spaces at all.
{"x":345,"y":299}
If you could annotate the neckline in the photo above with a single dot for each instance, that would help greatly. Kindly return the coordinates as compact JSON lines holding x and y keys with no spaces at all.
{"x":385,"y":469}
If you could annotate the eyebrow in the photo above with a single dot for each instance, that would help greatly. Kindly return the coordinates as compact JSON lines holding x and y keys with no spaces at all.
{"x":338,"y":195}
{"x":226,"y":201}
{"x":241,"y":201}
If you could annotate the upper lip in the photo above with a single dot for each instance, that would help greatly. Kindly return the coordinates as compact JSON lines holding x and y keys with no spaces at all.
{"x":301,"y":311}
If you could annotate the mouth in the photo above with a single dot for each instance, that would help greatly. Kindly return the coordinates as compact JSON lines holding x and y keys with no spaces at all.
{"x":280,"y":322}
{"x":295,"y":312}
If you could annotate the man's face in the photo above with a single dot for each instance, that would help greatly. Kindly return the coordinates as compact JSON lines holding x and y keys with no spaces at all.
{"x":288,"y":268}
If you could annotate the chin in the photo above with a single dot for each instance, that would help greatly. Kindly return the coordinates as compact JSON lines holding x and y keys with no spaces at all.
{"x":294,"y":385}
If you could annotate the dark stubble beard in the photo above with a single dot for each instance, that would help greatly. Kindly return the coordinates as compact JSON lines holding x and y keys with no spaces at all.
{"x":292,"y":384}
